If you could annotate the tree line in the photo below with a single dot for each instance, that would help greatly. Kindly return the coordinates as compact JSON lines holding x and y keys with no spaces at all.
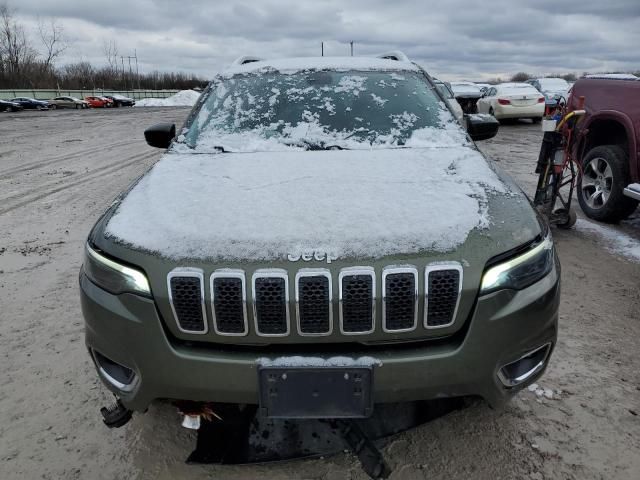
{"x":31,"y":63}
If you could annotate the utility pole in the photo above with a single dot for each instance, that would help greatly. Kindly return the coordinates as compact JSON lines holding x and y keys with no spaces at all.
{"x":322,"y":49}
{"x":135,"y":52}
{"x":124,"y":79}
{"x":129,"y":57}
{"x":351,"y":43}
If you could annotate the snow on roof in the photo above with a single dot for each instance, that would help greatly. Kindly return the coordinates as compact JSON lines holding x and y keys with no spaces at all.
{"x":614,"y":76}
{"x":292,"y":65}
{"x":267,"y":205}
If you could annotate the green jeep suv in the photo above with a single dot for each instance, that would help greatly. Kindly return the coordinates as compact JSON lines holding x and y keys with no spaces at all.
{"x":321,"y":236}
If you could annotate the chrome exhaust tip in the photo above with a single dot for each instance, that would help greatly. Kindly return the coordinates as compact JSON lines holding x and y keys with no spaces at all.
{"x":526,"y":367}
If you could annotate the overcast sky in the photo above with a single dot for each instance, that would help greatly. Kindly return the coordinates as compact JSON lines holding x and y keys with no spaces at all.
{"x":453,"y":39}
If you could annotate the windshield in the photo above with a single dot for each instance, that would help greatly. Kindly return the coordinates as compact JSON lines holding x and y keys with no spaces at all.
{"x":554,"y":84}
{"x":320,"y":110}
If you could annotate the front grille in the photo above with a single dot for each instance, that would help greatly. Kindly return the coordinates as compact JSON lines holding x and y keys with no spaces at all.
{"x":270,"y":303}
{"x":443,"y":291}
{"x":229,"y":309}
{"x":314,"y":304}
{"x":400,"y":299}
{"x":356,"y":302}
{"x":187,"y":301}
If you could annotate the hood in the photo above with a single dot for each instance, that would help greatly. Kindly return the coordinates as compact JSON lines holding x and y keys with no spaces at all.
{"x":274,"y":206}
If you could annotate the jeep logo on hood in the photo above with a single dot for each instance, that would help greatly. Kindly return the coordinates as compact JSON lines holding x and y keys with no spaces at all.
{"x":309,"y":256}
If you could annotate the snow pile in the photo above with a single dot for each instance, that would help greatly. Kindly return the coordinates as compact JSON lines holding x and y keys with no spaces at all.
{"x":298,"y":361}
{"x":347,"y":204}
{"x":616,"y":242}
{"x":184,"y":98}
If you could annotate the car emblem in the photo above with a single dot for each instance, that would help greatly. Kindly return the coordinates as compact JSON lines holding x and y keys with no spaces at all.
{"x":309,"y":256}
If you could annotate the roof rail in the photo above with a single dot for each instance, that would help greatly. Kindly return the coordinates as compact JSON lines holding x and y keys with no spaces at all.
{"x":396,"y":55}
{"x":244,"y":60}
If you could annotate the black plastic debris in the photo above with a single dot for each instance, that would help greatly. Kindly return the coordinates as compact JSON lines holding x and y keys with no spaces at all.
{"x":243,"y":436}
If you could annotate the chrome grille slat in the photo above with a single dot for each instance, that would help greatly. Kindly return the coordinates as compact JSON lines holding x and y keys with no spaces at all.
{"x":443,"y":285}
{"x":357,"y":300}
{"x":229,"y":302}
{"x":400,"y":299}
{"x":186,"y":296}
{"x":314,"y":311}
{"x":271,"y":302}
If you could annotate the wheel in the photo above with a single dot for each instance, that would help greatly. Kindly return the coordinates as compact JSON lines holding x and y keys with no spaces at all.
{"x":569,"y":218}
{"x":605,"y":174}
{"x":77,"y":106}
{"x":53,"y":107}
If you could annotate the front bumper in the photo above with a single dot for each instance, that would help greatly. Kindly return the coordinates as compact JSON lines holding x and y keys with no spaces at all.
{"x":502,"y":328}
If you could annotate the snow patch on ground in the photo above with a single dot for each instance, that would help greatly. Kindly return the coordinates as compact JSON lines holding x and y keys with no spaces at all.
{"x":348,"y":204}
{"x":616,"y":242}
{"x":184,"y":98}
{"x":299,"y":361}
{"x":541,"y":392}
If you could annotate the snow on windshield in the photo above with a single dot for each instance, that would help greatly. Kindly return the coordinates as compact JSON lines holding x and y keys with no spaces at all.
{"x":319,"y":110}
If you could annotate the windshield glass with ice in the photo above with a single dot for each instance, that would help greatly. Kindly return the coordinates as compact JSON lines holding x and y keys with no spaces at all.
{"x":320,"y":110}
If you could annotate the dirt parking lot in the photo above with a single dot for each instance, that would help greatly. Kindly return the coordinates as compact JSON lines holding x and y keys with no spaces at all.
{"x":59,"y":171}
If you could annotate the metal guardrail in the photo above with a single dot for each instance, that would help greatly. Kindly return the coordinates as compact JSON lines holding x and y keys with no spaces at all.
{"x":48,"y":94}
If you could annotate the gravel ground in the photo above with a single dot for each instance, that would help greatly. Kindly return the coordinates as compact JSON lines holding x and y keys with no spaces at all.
{"x":58,"y":172}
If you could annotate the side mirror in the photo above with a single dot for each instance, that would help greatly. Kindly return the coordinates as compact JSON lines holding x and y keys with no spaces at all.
{"x":481,"y":126}
{"x":160,"y":135}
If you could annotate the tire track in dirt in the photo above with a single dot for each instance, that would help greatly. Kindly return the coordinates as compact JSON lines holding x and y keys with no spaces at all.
{"x":79,"y":180}
{"x":70,"y":156}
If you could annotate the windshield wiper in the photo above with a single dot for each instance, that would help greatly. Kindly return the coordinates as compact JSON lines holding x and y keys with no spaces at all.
{"x":308,"y":145}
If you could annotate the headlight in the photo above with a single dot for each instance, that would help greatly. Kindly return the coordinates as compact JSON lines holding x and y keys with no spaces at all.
{"x":112,"y":276}
{"x":520,"y":271}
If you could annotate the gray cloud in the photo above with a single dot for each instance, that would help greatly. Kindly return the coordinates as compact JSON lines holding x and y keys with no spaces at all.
{"x":453,"y":39}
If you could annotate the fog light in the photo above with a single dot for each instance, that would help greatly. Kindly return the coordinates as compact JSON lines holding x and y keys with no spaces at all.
{"x":515,"y":373}
{"x":121,"y":377}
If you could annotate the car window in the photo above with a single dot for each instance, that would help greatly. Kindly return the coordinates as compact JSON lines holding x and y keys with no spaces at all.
{"x":357,"y":109}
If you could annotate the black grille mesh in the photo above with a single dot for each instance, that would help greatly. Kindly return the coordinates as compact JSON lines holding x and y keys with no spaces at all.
{"x":443,"y":295}
{"x":270,"y":304}
{"x":400,"y":301}
{"x":313,"y":304}
{"x":357,"y":305}
{"x":228,"y":304}
{"x":187,"y":302}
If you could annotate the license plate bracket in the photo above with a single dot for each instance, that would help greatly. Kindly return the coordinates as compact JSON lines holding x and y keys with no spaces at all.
{"x":315,"y":392}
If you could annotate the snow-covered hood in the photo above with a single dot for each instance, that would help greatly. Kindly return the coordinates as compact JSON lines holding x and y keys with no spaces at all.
{"x":274,"y":205}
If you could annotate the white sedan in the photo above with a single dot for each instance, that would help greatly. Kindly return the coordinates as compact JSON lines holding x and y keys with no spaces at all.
{"x":512,"y":100}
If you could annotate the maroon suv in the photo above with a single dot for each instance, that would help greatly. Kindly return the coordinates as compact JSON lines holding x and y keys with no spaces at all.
{"x":608,"y":147}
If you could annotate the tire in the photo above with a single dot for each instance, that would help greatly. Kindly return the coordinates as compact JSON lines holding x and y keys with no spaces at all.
{"x":53,"y":107}
{"x":536,"y":119}
{"x":605,"y":174}
{"x":77,"y":106}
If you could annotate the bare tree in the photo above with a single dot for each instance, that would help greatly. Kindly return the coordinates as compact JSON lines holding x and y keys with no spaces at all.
{"x":15,"y":50}
{"x":53,"y":40}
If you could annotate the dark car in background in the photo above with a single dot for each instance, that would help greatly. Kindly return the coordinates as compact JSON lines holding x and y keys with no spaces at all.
{"x":121,"y":101}
{"x":8,"y":106}
{"x":31,"y":103}
{"x":607,"y":149}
